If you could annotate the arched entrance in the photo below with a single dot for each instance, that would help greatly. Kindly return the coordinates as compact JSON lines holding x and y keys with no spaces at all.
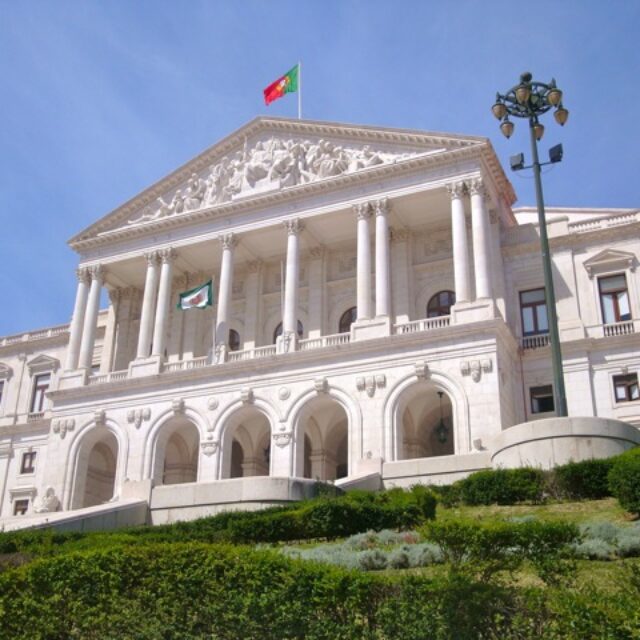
{"x":96,"y":466}
{"x":176,"y":452}
{"x":426,"y":427}
{"x":246,"y":448}
{"x":322,"y":436}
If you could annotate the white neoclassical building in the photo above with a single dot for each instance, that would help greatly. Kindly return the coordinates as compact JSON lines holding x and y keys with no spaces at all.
{"x":378,"y":319}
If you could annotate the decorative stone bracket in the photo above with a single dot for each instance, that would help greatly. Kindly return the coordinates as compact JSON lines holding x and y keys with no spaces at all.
{"x":422,"y":369}
{"x":321,"y":385}
{"x":209,"y":447}
{"x":63,"y":425}
{"x":246,"y":395}
{"x":178,"y":406}
{"x":371,"y":383}
{"x":100,"y":417}
{"x":137,"y":416}
{"x":474,"y":368}
{"x":282,"y":439}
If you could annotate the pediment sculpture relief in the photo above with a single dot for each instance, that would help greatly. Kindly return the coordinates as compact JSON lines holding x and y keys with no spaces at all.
{"x":270,"y":164}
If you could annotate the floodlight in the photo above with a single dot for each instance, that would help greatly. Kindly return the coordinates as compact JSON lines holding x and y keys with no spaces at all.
{"x":517,"y":162}
{"x":555,"y":153}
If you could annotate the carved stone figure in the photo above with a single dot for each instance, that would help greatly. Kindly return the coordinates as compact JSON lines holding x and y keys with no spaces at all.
{"x":195,"y":193}
{"x":49,"y":502}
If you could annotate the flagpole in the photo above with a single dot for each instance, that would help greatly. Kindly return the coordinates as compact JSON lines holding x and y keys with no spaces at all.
{"x":299,"y":90}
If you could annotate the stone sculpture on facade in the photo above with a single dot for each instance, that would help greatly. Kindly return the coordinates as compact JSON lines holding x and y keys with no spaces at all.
{"x":270,"y":164}
{"x":49,"y":502}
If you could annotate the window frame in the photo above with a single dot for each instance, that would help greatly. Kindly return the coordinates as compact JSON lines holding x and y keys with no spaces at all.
{"x":439,"y":308}
{"x":30,"y":457}
{"x":354,"y":315}
{"x":618,"y":383}
{"x":234,"y":346}
{"x":615,"y":300}
{"x":38,"y":392}
{"x":21,"y":506}
{"x":539,"y":388}
{"x":533,"y":305}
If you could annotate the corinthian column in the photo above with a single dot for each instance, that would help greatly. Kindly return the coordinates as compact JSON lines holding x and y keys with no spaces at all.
{"x":77,"y":320}
{"x":91,"y":317}
{"x":383,"y":306}
{"x":228,"y":242}
{"x":460,"y":244}
{"x":481,"y":248}
{"x":164,"y":300}
{"x":290,"y":313}
{"x":363,"y":213}
{"x":148,"y":304}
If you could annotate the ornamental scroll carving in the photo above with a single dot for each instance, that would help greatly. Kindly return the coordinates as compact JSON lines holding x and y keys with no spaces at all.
{"x":270,"y":164}
{"x":137,"y":416}
{"x":63,"y":425}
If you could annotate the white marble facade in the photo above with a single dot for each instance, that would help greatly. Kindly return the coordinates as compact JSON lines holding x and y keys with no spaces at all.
{"x":368,"y":319}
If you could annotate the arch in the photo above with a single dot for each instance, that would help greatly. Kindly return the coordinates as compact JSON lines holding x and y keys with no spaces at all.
{"x":98,"y":452}
{"x":246,"y":428}
{"x":277,"y":332}
{"x":347,"y":318}
{"x":175,"y":455}
{"x":440,"y":304}
{"x":234,"y":340}
{"x":298,"y":417}
{"x":392,"y":412}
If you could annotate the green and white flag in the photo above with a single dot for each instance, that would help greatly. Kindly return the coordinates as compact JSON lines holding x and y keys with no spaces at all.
{"x":197,"y":298}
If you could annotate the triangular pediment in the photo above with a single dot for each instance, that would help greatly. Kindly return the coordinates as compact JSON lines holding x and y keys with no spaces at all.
{"x":42,"y":364}
{"x":274,"y":156}
{"x":609,"y":259}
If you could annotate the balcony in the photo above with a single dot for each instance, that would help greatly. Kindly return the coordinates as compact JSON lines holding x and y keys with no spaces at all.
{"x":534,"y":342}
{"x":613,"y":330}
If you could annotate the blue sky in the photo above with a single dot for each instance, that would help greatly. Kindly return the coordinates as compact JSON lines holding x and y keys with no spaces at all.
{"x":100,"y":99}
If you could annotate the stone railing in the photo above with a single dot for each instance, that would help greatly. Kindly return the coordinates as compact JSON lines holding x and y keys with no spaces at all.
{"x":604,"y":223}
{"x":534,"y":342}
{"x":251,"y":354}
{"x":42,"y":334}
{"x":112,"y":376}
{"x":618,"y":329}
{"x":35,"y":416}
{"x":186,"y":365}
{"x":324,"y":341}
{"x":426,"y":324}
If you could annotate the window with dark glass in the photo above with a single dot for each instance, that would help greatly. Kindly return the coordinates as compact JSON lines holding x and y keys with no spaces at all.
{"x":533,"y":310}
{"x":234,"y":340}
{"x":40,"y":387}
{"x":28,"y":464}
{"x":440,"y":304}
{"x":278,"y":331}
{"x":20,"y":507}
{"x":542,"y":399}
{"x":347,"y":319}
{"x":614,"y":299}
{"x":626,"y":387}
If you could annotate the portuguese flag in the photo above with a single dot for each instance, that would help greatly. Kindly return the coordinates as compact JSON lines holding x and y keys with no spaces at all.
{"x":287,"y":84}
{"x":198,"y":298}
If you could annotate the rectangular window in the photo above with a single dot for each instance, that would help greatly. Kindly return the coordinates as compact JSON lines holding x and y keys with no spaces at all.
{"x":20,"y":507}
{"x":40,"y":387}
{"x":614,"y":299}
{"x":28,"y":462}
{"x":542,"y":399}
{"x":533,"y":309}
{"x":626,"y":387}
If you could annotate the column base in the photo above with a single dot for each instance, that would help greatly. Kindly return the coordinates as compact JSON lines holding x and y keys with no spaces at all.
{"x":369,"y":328}
{"x":482,"y":309}
{"x":72,"y":379}
{"x":150,"y":366}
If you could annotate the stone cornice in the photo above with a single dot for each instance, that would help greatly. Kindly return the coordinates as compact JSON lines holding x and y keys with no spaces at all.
{"x":463,"y":147}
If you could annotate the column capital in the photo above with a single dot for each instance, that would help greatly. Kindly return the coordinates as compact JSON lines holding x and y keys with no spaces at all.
{"x":456,"y":189}
{"x":293,"y":226}
{"x":228,"y":240}
{"x":97,"y":272}
{"x":400,"y":235}
{"x":151,"y":257}
{"x":382,"y":207}
{"x":476,"y":187}
{"x":83,"y":275}
{"x":166,"y":255}
{"x":362,"y":210}
{"x":317,"y":251}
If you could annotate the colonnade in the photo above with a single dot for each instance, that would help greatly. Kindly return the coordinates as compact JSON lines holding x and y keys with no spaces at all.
{"x":159,"y":274}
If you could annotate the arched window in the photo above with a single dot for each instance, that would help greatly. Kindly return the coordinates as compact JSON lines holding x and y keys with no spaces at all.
{"x":278,"y":331}
{"x":440,"y":304}
{"x":347,"y":319}
{"x":234,"y":340}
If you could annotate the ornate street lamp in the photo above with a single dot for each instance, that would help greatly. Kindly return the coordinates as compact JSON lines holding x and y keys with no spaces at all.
{"x":441,"y":430}
{"x":530,"y":99}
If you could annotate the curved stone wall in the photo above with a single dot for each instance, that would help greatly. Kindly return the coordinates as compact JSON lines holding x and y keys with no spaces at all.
{"x":555,"y":441}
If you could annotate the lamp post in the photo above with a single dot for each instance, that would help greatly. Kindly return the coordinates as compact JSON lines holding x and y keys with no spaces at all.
{"x":530,"y":99}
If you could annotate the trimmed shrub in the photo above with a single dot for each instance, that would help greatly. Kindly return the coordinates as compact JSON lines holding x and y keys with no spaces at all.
{"x":502,"y":486}
{"x":624,"y":480}
{"x":586,"y":480}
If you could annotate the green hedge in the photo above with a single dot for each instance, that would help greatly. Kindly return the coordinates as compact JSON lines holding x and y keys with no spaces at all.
{"x":502,"y":486}
{"x":196,"y":591}
{"x":586,"y":480}
{"x":624,"y":480}
{"x":325,"y":517}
